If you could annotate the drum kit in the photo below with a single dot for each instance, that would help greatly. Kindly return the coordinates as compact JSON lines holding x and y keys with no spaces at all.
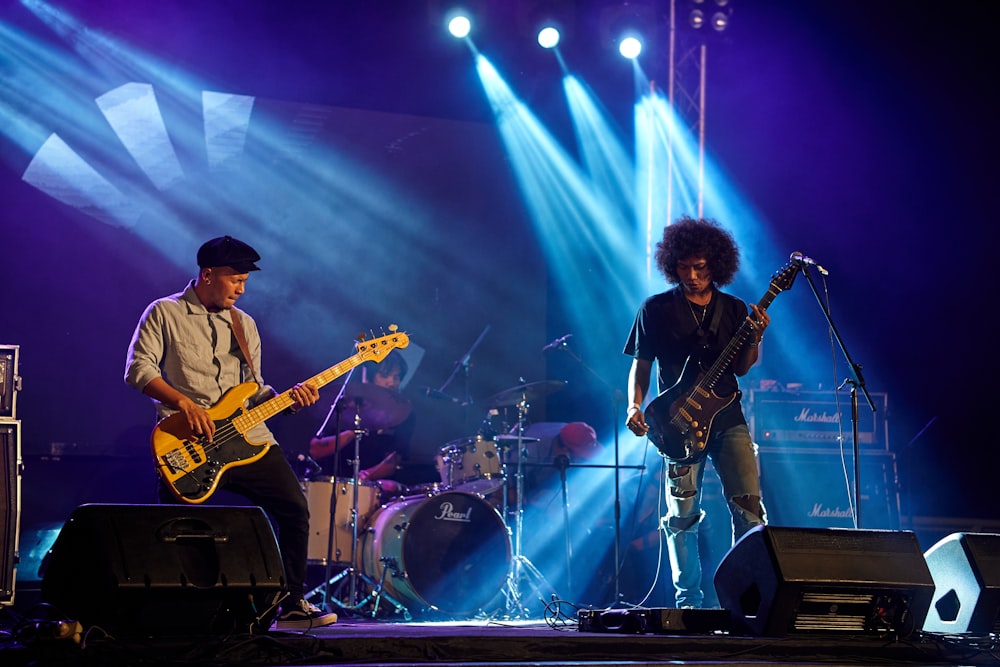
{"x":437,"y":548}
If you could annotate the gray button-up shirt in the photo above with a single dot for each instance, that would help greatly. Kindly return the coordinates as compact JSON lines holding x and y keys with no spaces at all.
{"x":196,"y":352}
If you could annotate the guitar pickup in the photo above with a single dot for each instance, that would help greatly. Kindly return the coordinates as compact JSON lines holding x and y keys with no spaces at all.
{"x":192,"y":452}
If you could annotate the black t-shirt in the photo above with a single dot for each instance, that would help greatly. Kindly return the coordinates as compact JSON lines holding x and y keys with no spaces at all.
{"x":672,"y":332}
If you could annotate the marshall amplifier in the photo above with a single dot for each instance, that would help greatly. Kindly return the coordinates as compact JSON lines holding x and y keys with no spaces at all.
{"x":808,"y":487}
{"x":816,"y":418}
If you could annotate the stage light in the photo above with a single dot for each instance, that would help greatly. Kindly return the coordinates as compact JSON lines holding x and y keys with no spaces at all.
{"x":636,"y":20}
{"x":630,"y":47}
{"x":548,"y":37}
{"x":720,"y":15}
{"x":460,"y":26}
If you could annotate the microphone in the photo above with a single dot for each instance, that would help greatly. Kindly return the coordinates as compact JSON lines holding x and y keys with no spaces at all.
{"x":437,"y":393}
{"x":799,"y":258}
{"x":311,"y":464}
{"x":558,"y":342}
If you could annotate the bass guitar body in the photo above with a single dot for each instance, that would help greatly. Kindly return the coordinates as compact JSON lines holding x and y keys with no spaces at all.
{"x":191,"y":466}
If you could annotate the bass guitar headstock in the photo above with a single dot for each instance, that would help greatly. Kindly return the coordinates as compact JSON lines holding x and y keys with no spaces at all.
{"x":379,"y":348}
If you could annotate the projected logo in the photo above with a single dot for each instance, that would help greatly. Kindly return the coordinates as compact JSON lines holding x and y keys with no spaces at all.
{"x":134,"y":114}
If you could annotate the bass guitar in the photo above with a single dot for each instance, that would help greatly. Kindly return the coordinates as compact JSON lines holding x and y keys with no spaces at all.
{"x":680,"y":419}
{"x":192,"y":467}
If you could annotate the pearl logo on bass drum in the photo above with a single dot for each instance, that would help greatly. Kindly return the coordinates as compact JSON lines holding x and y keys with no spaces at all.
{"x":448,"y":513}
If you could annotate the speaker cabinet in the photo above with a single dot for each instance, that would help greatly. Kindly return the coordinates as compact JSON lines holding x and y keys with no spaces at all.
{"x":10,"y":494}
{"x":165,"y":569}
{"x":966,"y":572}
{"x":812,"y":488}
{"x":10,"y":381}
{"x":779,"y":580}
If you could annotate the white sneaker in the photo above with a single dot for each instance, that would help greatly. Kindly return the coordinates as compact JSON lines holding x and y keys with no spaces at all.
{"x":303,"y":615}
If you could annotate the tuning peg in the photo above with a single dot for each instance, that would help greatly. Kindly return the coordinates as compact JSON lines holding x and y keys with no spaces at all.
{"x":393,"y":328}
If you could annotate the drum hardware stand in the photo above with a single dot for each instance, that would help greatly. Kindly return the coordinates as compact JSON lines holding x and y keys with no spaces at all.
{"x":388,"y":563}
{"x":352,"y":570}
{"x":328,"y":580}
{"x":562,"y":463}
{"x":521,"y":566}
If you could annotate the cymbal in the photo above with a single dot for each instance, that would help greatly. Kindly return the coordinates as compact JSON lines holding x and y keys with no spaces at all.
{"x":530,"y":391}
{"x":378,"y":407}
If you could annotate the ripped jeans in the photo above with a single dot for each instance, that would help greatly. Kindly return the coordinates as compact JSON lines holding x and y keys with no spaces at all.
{"x":734,"y":455}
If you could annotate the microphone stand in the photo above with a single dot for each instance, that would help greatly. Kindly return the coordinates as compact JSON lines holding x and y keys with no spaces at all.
{"x":857,"y":380}
{"x":562,"y":462}
{"x":617,"y":398}
{"x":463,"y":363}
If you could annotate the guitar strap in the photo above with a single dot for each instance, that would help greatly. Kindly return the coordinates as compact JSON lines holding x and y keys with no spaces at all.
{"x":241,"y":338}
{"x":717,"y":315}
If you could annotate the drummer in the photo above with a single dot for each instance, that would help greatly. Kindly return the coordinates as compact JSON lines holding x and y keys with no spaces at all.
{"x":386,"y":421}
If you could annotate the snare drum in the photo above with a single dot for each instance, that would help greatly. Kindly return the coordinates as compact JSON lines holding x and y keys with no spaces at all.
{"x":449,"y":552}
{"x":470,"y":464}
{"x":320,"y":495}
{"x":427,"y":489}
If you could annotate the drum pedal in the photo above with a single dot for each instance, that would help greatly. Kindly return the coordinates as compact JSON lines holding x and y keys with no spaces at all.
{"x":389,"y":563}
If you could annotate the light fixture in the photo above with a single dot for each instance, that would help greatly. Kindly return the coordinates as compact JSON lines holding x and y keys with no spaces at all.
{"x":720,"y":21}
{"x":460,"y":26}
{"x":630,"y":47}
{"x":721,"y":14}
{"x":548,"y":37}
{"x":630,"y":26}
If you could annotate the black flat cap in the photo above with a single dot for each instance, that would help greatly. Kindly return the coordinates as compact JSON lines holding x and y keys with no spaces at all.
{"x":227,"y":251}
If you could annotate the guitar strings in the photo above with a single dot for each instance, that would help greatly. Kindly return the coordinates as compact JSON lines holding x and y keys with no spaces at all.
{"x":228,"y":430}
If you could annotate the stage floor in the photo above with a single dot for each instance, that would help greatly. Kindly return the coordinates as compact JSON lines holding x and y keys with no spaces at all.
{"x":554,"y":641}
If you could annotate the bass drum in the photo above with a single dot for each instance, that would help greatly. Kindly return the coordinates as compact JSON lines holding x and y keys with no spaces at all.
{"x":448,"y":553}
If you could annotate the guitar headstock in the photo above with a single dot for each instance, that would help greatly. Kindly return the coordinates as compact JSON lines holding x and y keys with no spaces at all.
{"x":378,"y":349}
{"x":784,"y":277}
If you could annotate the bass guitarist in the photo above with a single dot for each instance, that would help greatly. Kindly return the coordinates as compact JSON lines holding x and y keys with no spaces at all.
{"x":684,"y":330}
{"x":187,"y":351}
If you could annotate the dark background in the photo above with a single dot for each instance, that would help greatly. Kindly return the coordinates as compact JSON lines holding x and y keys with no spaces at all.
{"x":863,"y":133}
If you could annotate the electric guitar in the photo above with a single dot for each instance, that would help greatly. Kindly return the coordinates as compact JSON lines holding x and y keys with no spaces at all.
{"x":680,"y":418}
{"x":192,"y":467}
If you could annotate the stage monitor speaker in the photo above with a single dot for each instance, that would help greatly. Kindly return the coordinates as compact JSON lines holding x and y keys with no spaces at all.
{"x":146,"y":570}
{"x":10,"y":478}
{"x":778,"y":581}
{"x":966,"y":572}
